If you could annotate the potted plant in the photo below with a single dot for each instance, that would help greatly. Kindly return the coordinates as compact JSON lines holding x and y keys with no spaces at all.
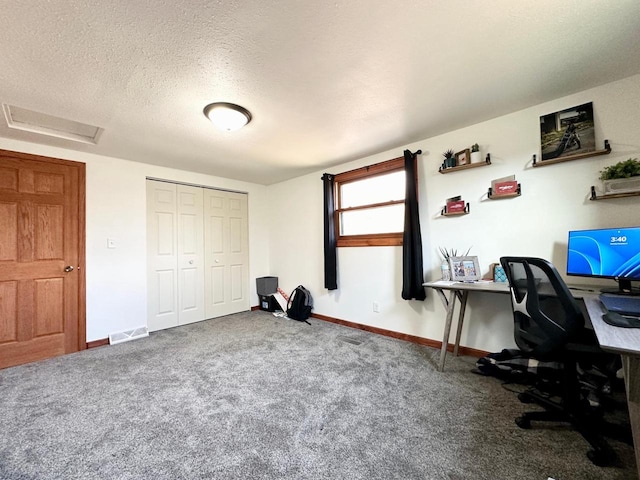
{"x":621,"y":177}
{"x":476,"y":155}
{"x":449,"y":159}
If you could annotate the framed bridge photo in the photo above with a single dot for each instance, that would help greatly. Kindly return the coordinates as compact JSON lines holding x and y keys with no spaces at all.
{"x":464,"y":269}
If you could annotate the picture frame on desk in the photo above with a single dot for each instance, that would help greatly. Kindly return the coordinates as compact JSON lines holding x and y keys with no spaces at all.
{"x":464,"y":269}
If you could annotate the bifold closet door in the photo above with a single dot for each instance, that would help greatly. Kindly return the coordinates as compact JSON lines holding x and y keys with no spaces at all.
{"x":175,"y":255}
{"x":190,"y":254}
{"x":226,"y":253}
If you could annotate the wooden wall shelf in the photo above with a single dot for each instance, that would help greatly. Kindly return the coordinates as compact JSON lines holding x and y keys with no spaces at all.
{"x":454,"y":214}
{"x":486,"y":162}
{"x":595,"y":153}
{"x":605,"y":196}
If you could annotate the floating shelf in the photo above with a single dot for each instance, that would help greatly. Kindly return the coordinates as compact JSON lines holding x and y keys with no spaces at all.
{"x":506,"y":195}
{"x":486,"y":162}
{"x":578,"y":156}
{"x":605,"y":196}
{"x":455,"y":214}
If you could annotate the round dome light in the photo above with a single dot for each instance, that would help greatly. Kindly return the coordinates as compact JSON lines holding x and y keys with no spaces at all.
{"x":227,"y":116}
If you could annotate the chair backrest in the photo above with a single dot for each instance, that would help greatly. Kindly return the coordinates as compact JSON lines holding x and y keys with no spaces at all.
{"x":546,"y":316}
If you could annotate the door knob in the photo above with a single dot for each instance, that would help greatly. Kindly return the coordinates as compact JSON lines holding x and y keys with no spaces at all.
{"x":68,"y":268}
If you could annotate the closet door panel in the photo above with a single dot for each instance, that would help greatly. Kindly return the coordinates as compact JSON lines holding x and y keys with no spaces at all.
{"x":190,"y":254}
{"x":216,"y":287}
{"x":226,"y":255}
{"x":162,"y":255}
{"x":238,"y":251}
{"x":197,"y":242}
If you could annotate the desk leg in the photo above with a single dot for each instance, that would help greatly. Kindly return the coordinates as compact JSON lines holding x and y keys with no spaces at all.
{"x":631,"y":368}
{"x":463,"y":305}
{"x":450,"y":304}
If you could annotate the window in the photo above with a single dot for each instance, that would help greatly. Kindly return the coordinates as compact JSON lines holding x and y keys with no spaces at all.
{"x":370,"y":205}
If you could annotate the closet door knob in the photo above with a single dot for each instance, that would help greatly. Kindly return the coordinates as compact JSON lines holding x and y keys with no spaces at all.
{"x":68,"y":268}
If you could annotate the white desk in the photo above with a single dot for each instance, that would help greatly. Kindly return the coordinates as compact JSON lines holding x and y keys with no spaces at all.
{"x":623,"y":341}
{"x":626,"y":342}
{"x":459,"y":290}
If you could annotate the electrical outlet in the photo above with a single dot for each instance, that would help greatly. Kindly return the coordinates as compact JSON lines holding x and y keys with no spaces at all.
{"x":111,"y":243}
{"x":376,"y":307}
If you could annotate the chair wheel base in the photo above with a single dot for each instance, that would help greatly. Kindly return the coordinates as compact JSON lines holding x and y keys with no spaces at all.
{"x":600,"y":458}
{"x":523,"y":422}
{"x":525,"y":398}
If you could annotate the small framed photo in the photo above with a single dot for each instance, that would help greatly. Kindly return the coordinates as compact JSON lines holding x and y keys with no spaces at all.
{"x":464,"y":269}
{"x":463,"y":157}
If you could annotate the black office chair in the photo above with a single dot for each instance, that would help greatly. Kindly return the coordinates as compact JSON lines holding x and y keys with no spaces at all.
{"x":549,"y":326}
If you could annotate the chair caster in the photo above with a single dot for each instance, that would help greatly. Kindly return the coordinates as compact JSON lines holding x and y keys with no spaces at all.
{"x":600,"y":458}
{"x":524,"y":397}
{"x":523,"y":422}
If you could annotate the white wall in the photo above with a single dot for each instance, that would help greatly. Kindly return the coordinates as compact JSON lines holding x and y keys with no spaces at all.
{"x":554,"y":200}
{"x":285,"y":222}
{"x":116,"y":208}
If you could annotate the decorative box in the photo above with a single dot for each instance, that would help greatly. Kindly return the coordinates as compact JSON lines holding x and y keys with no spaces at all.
{"x":455,"y":207}
{"x":498,"y":274}
{"x":505,"y":188}
{"x":621,"y":185}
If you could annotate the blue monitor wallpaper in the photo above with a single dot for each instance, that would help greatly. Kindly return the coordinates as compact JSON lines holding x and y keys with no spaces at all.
{"x":611,"y":252}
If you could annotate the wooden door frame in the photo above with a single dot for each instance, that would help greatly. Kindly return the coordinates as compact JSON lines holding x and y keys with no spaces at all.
{"x":81,"y":169}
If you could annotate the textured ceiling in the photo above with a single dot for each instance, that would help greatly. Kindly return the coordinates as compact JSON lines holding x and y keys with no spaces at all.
{"x":325,"y":81}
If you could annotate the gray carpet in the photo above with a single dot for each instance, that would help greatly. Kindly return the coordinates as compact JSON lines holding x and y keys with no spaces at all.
{"x":251,"y":396}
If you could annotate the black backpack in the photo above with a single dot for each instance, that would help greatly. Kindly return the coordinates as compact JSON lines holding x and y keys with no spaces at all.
{"x":300,"y":304}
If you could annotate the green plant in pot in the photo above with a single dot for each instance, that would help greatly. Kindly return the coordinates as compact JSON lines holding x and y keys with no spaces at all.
{"x":624,"y":169}
{"x":621,"y":177}
{"x":476,"y":156}
{"x":449,"y":160}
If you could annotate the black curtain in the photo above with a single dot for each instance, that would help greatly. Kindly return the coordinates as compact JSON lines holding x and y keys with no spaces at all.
{"x":330,"y":263}
{"x":412,"y":276}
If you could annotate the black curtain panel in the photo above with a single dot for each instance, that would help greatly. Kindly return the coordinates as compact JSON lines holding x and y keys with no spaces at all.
{"x":330,"y":262}
{"x":412,"y":276}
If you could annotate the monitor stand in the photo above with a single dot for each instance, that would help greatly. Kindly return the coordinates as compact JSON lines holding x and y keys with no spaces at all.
{"x":624,"y":288}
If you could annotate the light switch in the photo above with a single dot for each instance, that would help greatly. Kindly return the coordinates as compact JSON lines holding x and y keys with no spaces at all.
{"x":111,"y":243}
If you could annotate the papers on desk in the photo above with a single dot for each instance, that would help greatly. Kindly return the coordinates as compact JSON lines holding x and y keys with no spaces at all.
{"x":448,"y":283}
{"x":444,"y":283}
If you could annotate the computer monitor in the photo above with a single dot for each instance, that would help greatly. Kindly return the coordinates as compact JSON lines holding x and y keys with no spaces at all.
{"x":606,"y":253}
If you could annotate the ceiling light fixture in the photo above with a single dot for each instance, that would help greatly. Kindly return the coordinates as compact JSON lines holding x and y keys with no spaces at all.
{"x":227,"y":116}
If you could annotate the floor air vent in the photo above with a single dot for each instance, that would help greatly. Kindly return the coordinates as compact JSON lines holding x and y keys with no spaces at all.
{"x":352,"y":341}
{"x":119,"y":337}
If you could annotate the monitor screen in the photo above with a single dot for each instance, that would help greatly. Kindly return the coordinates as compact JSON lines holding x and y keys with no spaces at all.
{"x":605,"y":253}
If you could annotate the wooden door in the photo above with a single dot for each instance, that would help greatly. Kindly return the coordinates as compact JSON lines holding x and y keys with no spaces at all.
{"x":41,"y":258}
{"x":226,"y":253}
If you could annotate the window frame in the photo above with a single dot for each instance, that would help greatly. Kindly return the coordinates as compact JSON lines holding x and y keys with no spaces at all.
{"x":370,"y":171}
